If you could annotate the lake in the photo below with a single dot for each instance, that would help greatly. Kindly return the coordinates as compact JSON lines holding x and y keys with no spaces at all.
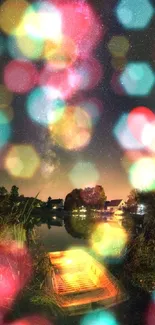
{"x":129,"y":312}
{"x":57,"y":238}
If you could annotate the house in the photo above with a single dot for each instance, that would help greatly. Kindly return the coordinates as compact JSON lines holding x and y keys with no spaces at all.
{"x":115,"y":205}
{"x":56,"y":204}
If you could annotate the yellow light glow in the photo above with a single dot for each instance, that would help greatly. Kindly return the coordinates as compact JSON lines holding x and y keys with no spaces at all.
{"x":31,"y":48}
{"x":22,"y":161}
{"x":118,"y":46}
{"x":5,"y":96}
{"x":109,"y":239}
{"x":11,"y":15}
{"x":7,"y":111}
{"x":118,"y":63}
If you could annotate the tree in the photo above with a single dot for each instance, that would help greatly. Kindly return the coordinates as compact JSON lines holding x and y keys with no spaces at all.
{"x":133,"y":197}
{"x":93,"y":197}
{"x":48,"y":203}
{"x":140,"y":260}
{"x":14,"y":192}
{"x":90,"y":197}
{"x":3,"y":191}
{"x":73,"y":200}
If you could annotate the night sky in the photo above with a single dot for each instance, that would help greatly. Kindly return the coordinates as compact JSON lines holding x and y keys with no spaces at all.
{"x":103,"y":150}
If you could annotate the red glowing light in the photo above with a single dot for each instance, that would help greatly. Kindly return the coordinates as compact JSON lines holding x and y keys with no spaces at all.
{"x":151,"y":314}
{"x":64,"y":54}
{"x":80,"y":23}
{"x":76,"y":19}
{"x":134,"y":155}
{"x":15,"y":270}
{"x":64,"y":81}
{"x":32,"y":320}
{"x":137,"y":120}
{"x":89,"y":73}
{"x":20,"y":76}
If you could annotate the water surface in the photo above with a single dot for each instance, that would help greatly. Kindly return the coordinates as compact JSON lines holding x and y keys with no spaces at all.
{"x":58,"y":239}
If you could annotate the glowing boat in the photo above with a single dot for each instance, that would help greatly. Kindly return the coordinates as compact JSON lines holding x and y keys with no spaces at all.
{"x":81,"y":283}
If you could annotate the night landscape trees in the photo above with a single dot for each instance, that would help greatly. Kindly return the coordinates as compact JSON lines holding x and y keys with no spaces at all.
{"x":140,"y":260}
{"x":3,"y":191}
{"x":89,"y":197}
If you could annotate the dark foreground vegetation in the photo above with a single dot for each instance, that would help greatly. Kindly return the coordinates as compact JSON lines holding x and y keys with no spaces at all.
{"x":135,"y":271}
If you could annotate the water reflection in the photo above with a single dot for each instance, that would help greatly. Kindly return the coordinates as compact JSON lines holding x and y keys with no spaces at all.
{"x":74,"y":224}
{"x":54,"y":221}
{"x":57,"y":236}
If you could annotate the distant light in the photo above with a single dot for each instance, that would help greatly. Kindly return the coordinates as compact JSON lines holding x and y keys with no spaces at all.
{"x":68,"y":261}
{"x":6,"y":96}
{"x":99,"y":317}
{"x":133,"y":79}
{"x":43,"y":109}
{"x":144,"y":116}
{"x":118,"y":46}
{"x":22,"y":161}
{"x":133,"y":14}
{"x":20,"y":76}
{"x":124,"y":136}
{"x":142,"y":174}
{"x":84,"y":174}
{"x":5,"y":129}
{"x":11,"y":14}
{"x":73,"y":130}
{"x":43,"y":20}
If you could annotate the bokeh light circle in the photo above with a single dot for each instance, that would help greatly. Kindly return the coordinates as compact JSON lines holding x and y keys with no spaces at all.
{"x":20,"y":76}
{"x":84,"y":174}
{"x":142,"y":174}
{"x":60,"y":55}
{"x":144,"y":116}
{"x":11,"y":14}
{"x":6,"y":96}
{"x":73,"y":130}
{"x":22,"y":161}
{"x":42,"y":20}
{"x":99,"y":317}
{"x":30,"y":48}
{"x":108,"y":239}
{"x":64,"y":81}
{"x":44,"y":109}
{"x":5,"y":129}
{"x":15,"y":270}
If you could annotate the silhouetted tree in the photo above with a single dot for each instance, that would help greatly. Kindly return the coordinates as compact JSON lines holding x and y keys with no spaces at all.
{"x":93,"y":197}
{"x":140,"y":260}
{"x":3,"y":191}
{"x":133,"y":199}
{"x":73,"y":200}
{"x":88,"y":197}
{"x":14,"y":192}
{"x":48,"y":204}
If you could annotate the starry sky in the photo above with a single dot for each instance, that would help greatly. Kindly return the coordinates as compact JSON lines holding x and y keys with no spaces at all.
{"x":103,"y":150}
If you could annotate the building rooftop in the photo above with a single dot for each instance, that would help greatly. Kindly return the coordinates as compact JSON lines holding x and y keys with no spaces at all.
{"x":114,"y":203}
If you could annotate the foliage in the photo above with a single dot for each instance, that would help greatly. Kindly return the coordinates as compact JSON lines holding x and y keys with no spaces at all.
{"x":3,"y":190}
{"x":89,"y":197}
{"x":94,"y":197}
{"x":48,"y":204}
{"x":140,"y":263}
{"x":133,"y":200}
{"x":77,"y":227}
{"x":14,"y":191}
{"x":140,"y":260}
